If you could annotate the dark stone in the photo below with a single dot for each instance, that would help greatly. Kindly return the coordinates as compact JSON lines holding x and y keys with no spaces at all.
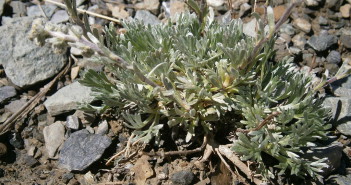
{"x":82,"y":149}
{"x":29,"y":161}
{"x":67,"y":177}
{"x":322,"y":42}
{"x":346,"y":40}
{"x":332,"y":152}
{"x":16,"y":140}
{"x":334,"y":57}
{"x":182,"y":177}
{"x":6,"y":93}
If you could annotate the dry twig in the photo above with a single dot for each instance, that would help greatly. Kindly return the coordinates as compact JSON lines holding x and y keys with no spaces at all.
{"x":184,"y":152}
{"x":263,"y":123}
{"x":85,"y":11}
{"x":224,"y":150}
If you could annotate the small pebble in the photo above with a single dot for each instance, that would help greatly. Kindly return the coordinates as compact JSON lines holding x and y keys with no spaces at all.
{"x":302,"y":24}
{"x":334,"y":57}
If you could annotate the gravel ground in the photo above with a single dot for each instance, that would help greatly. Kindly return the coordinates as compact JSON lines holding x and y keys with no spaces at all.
{"x":39,"y":148}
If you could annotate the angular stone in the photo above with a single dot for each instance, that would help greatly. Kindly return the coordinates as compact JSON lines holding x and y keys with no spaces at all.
{"x":7,"y":92}
{"x":34,"y":11}
{"x":183,"y":177}
{"x":340,"y":107}
{"x":250,"y":27}
{"x":345,"y":128}
{"x":345,"y":10}
{"x":299,"y":40}
{"x":24,"y":62}
{"x":215,"y":3}
{"x":342,"y":87}
{"x":322,"y":42}
{"x":54,"y":135}
{"x":102,"y":128}
{"x":60,"y":17}
{"x":322,"y":20}
{"x":82,"y":149}
{"x":302,"y":24}
{"x":146,"y":17}
{"x":72,"y":122}
{"x":18,"y":8}
{"x":346,"y":40}
{"x":288,"y":29}
{"x":14,"y":106}
{"x":68,"y":98}
{"x":334,"y":57}
{"x":311,"y":2}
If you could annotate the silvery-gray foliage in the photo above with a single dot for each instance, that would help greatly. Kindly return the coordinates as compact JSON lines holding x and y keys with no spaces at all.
{"x":192,"y":73}
{"x":203,"y":75}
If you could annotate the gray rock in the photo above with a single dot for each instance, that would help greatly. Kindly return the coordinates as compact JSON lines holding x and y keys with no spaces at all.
{"x":345,"y":128}
{"x":334,"y":57}
{"x":72,"y":122}
{"x":332,"y":153}
{"x":311,"y":2}
{"x":68,"y":98}
{"x":250,"y":27}
{"x":342,"y":87}
{"x":18,"y":8}
{"x":342,"y":92}
{"x":29,"y":161}
{"x":340,"y":107}
{"x":322,"y":42}
{"x":302,"y":24}
{"x":7,"y":92}
{"x":14,"y":106}
{"x":288,"y":29}
{"x":225,"y":19}
{"x":146,"y":17}
{"x":60,"y":17}
{"x":340,"y":179}
{"x":346,"y":40}
{"x":102,"y":128}
{"x":54,"y":135}
{"x":182,"y":177}
{"x":345,"y":82}
{"x":295,"y":50}
{"x":2,"y":3}
{"x":322,"y":21}
{"x":215,"y":3}
{"x":24,"y":62}
{"x":299,"y":40}
{"x":82,"y":149}
{"x":66,"y":177}
{"x":34,"y":11}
